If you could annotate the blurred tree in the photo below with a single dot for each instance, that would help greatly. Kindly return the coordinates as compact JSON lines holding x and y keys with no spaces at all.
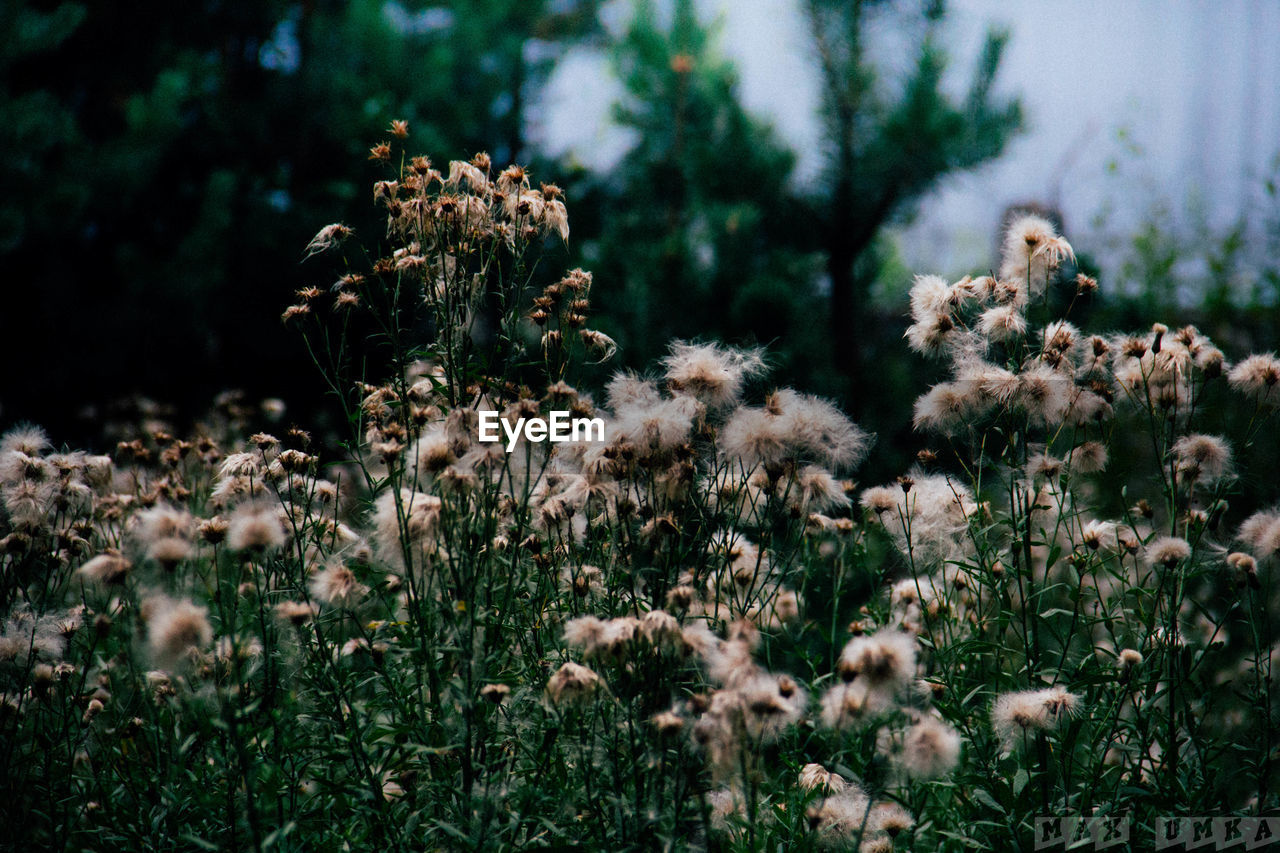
{"x":165,"y":165}
{"x":698,"y":232}
{"x":702,"y":229}
{"x":889,"y":144}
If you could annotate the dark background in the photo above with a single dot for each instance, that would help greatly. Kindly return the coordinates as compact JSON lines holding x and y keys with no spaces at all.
{"x":165,"y":165}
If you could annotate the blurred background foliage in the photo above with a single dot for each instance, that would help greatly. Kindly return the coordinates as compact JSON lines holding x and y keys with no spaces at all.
{"x":165,"y":165}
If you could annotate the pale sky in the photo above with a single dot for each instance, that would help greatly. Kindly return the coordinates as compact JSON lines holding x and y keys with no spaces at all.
{"x":1128,"y":102}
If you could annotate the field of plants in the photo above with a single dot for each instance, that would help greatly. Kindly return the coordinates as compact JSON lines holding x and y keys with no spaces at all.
{"x":699,"y":632}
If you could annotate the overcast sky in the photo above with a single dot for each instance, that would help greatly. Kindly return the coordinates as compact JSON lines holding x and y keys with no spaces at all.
{"x":1129,"y":102}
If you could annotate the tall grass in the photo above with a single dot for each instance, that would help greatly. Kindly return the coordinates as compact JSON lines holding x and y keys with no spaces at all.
{"x":691,"y":633}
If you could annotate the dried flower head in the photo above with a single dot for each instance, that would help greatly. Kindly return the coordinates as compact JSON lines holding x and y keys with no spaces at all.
{"x":175,"y":630}
{"x":1257,"y":377}
{"x":337,"y":586}
{"x":1203,"y":458}
{"x":711,"y":373}
{"x":930,"y":749}
{"x":255,"y":528}
{"x":1261,"y":532}
{"x":1168,"y":551}
{"x":1013,"y":714}
{"x":815,"y":777}
{"x":572,"y":684}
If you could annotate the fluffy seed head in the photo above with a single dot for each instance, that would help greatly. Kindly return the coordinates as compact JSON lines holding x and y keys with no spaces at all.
{"x":175,"y":630}
{"x":1257,"y":377}
{"x":1203,"y":458}
{"x":1013,"y":714}
{"x":931,"y":749}
{"x":1168,"y":551}
{"x":815,"y":777}
{"x":1261,"y":532}
{"x":711,"y":373}
{"x":255,"y":528}
{"x":337,"y":586}
{"x":572,"y":684}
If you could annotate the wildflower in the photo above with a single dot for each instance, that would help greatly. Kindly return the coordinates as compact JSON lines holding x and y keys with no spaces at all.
{"x":1203,"y":458}
{"x":1044,"y":394}
{"x":840,"y":818}
{"x":667,"y":722}
{"x":931,"y":335}
{"x":295,"y":612}
{"x":770,"y":704}
{"x":582,"y":581}
{"x":1032,"y":249}
{"x":753,"y":437}
{"x":681,"y":597}
{"x":495,"y":694}
{"x":214,"y":530}
{"x":169,"y":551}
{"x":1044,"y":466}
{"x":626,"y":391}
{"x":229,"y":648}
{"x":728,"y":805}
{"x":162,"y":522}
{"x":1088,"y":458}
{"x":337,"y":586}
{"x":586,"y":633}
{"x":1261,"y":532}
{"x":327,"y":238}
{"x":1098,"y":535}
{"x":421,"y":518}
{"x":889,"y":819}
{"x":108,"y":568}
{"x":255,"y":529}
{"x":946,"y":407}
{"x":930,"y":296}
{"x":572,"y":684}
{"x":657,"y":428}
{"x":460,"y":171}
{"x":1257,"y":377}
{"x":885,"y":659}
{"x":1130,"y":659}
{"x":618,"y":637}
{"x":879,"y":499}
{"x":32,"y":441}
{"x":817,"y":430}
{"x":711,"y":373}
{"x":814,"y":489}
{"x":1002,"y":323}
{"x":600,"y":346}
{"x":930,"y":749}
{"x":1168,"y":551}
{"x":660,"y":629}
{"x":1013,"y":714}
{"x":1059,"y":336}
{"x":175,"y":630}
{"x":356,"y":647}
{"x":815,"y":777}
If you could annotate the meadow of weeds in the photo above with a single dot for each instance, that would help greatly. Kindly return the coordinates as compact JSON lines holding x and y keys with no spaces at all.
{"x":695,"y":633}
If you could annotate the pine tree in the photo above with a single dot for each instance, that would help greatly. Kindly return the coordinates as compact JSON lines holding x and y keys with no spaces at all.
{"x":888,"y":146}
{"x":699,"y":230}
